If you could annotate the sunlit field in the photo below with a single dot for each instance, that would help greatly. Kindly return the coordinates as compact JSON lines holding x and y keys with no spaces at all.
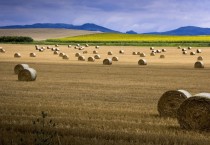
{"x":95,"y":104}
{"x":134,"y":37}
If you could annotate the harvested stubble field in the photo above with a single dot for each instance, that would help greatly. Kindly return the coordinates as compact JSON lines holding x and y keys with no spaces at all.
{"x":96,"y":104}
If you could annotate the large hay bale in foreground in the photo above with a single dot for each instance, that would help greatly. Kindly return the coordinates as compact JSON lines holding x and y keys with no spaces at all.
{"x":20,"y":67}
{"x":199,"y":64}
{"x":194,"y":113}
{"x":17,"y":55}
{"x":91,"y":59}
{"x":107,"y":61}
{"x":32,"y":54}
{"x":27,"y":74}
{"x":142,"y":62}
{"x":170,"y":101}
{"x":115,"y":58}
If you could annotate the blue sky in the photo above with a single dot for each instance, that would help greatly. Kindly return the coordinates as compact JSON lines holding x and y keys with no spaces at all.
{"x":123,"y":15}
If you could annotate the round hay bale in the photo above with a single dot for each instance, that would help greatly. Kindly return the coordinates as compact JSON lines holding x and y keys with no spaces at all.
{"x":152,"y":54}
{"x":199,"y":64}
{"x":81,"y":58}
{"x":179,"y":47}
{"x":56,"y":45}
{"x":115,"y":58}
{"x":163,"y":50}
{"x":20,"y":67}
{"x":43,"y":47}
{"x":41,"y":50}
{"x":200,"y":58}
{"x":134,"y":53}
{"x":184,"y":52}
{"x":56,"y":52}
{"x":65,"y":56}
{"x":154,"y":51}
{"x":53,"y":49}
{"x":85,"y":52}
{"x":189,"y":48}
{"x":95,"y":52}
{"x":152,"y":48}
{"x":17,"y":55}
{"x":97,"y":47}
{"x":77,"y":54}
{"x":121,"y":52}
{"x":142,"y":55}
{"x":86,"y":45}
{"x":2,"y":50}
{"x":194,"y":113}
{"x":198,"y":51}
{"x":138,"y":53}
{"x":170,"y":101}
{"x":97,"y":56}
{"x":27,"y":74}
{"x":81,"y":48}
{"x":162,"y":56}
{"x":32,"y":54}
{"x":91,"y":59}
{"x":69,"y":46}
{"x":159,"y":51}
{"x":78,"y":45}
{"x":57,"y":49}
{"x":107,"y":61}
{"x":37,"y":47}
{"x":61,"y":54}
{"x":184,"y":49}
{"x":109,"y":53}
{"x":142,"y":62}
{"x":192,"y":53}
{"x":48,"y":47}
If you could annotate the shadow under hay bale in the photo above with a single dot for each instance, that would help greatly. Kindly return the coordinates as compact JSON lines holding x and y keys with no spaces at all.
{"x":194,"y":113}
{"x":107,"y":61}
{"x":91,"y":59}
{"x":32,"y":54}
{"x":199,"y":64}
{"x":115,"y":58}
{"x":170,"y":101}
{"x":17,"y":55}
{"x":142,"y":62}
{"x":27,"y":74}
{"x":20,"y":67}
